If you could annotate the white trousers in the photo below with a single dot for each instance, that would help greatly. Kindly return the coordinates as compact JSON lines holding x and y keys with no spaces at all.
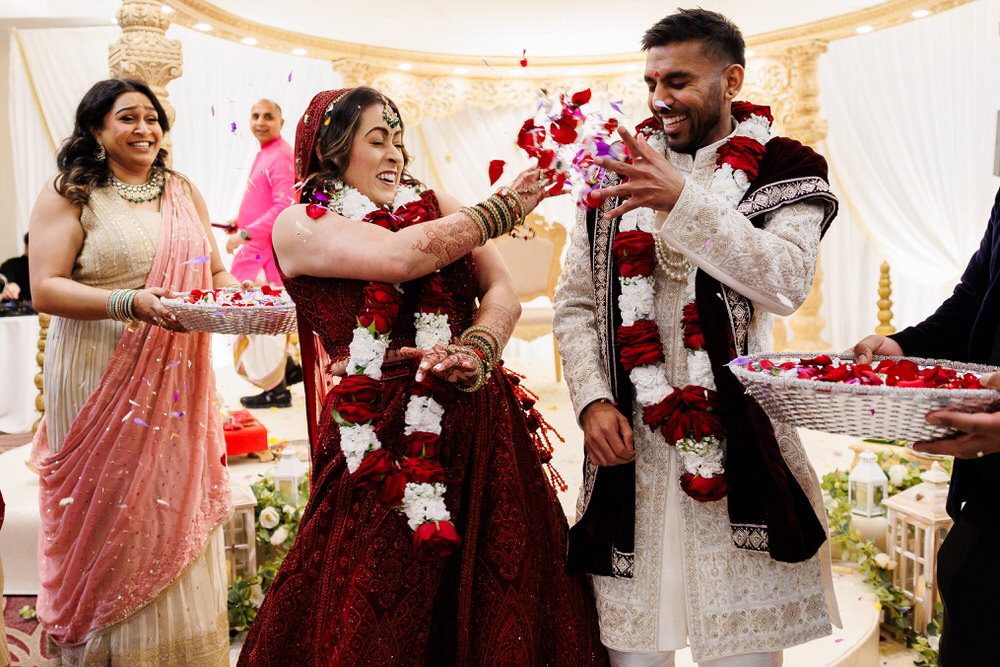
{"x":666,"y":659}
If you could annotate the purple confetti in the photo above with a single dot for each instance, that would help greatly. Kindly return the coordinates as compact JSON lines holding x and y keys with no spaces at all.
{"x":172,"y":364}
{"x":201,"y":259}
{"x":290,"y":77}
{"x":177,"y":395}
{"x":485,"y":62}
{"x":617,"y":106}
{"x":177,"y":414}
{"x":232,"y":127}
{"x":659,"y":104}
{"x":257,"y":257}
{"x":213,"y":110}
{"x":140,"y":422}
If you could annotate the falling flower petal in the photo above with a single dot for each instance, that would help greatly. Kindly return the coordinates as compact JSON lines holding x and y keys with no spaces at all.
{"x":524,"y":58}
{"x":201,"y":259}
{"x":140,"y":422}
{"x":232,"y":127}
{"x":660,"y":104}
{"x":289,"y":77}
{"x":617,"y":106}
{"x":496,"y":170}
{"x":213,"y":110}
{"x":161,"y":501}
{"x":66,"y":501}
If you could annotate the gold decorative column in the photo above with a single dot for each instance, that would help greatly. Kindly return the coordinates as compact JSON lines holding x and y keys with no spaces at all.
{"x":43,"y":334}
{"x":803,"y":122}
{"x":143,"y":51}
{"x":884,"y":327}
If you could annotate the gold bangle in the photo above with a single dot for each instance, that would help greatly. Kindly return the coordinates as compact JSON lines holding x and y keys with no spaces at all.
{"x":477,"y":218}
{"x":480,"y":380}
{"x":489,"y":331}
{"x":515,"y":197}
{"x":496,"y":214}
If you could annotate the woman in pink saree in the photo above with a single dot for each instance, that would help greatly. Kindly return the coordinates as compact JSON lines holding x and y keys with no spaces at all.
{"x":133,"y":484}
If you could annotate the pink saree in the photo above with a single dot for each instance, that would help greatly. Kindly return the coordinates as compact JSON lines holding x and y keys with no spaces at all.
{"x":140,"y":481}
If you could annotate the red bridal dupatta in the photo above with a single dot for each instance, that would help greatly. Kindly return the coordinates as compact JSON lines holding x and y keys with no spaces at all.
{"x":128,"y":502}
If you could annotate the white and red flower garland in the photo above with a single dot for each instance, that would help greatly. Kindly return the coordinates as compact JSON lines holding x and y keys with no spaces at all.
{"x":416,"y":484}
{"x":686,"y":417}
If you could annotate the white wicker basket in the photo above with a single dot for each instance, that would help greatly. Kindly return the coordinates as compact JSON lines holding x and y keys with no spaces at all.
{"x":247,"y":320}
{"x":861,"y":410}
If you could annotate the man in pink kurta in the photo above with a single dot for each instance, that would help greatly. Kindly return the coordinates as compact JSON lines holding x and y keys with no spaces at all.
{"x":270,"y":189}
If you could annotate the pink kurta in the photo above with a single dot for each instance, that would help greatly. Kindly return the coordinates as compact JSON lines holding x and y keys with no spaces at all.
{"x":270,"y":189}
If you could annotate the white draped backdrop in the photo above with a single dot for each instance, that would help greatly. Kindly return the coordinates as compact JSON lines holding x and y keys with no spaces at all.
{"x":912,"y":126}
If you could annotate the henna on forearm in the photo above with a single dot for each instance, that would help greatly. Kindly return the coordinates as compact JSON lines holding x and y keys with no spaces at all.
{"x":499,"y":318}
{"x":448,"y":240}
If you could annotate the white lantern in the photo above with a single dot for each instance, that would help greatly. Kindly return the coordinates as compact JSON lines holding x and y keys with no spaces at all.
{"x":287,"y":474}
{"x":241,"y":534}
{"x":866,"y":486}
{"x":918,"y":524}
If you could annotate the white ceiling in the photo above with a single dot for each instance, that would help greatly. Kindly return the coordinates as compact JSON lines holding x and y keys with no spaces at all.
{"x":506,"y":27}
{"x":469,"y":27}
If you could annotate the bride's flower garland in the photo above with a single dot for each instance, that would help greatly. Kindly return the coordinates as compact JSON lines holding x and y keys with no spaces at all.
{"x":416,"y":484}
{"x":687,"y":417}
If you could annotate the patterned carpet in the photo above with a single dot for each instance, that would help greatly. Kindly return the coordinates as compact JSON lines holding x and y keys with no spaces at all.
{"x":25,"y":638}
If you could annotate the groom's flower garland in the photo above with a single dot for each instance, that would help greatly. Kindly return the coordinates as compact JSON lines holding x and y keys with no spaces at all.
{"x":415,"y":485}
{"x":687,"y":417}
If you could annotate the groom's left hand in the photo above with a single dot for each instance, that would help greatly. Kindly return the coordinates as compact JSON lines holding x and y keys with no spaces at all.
{"x":652,"y":181}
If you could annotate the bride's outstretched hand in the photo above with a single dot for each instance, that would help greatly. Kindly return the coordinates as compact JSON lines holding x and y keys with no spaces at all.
{"x":455,"y":367}
{"x":533,"y":187}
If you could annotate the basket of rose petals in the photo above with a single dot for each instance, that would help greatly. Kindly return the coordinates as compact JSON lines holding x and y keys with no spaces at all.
{"x":887,"y":398}
{"x":255,"y":311}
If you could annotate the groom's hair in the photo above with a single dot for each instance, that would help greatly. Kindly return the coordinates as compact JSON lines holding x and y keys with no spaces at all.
{"x":720,"y":36}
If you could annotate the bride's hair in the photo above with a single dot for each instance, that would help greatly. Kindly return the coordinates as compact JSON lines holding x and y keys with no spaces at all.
{"x":80,"y":172}
{"x":334,"y":140}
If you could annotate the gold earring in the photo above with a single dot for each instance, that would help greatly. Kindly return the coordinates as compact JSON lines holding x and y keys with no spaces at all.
{"x":102,"y":153}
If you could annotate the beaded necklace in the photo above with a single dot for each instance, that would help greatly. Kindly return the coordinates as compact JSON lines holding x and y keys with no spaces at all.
{"x":140,"y":194}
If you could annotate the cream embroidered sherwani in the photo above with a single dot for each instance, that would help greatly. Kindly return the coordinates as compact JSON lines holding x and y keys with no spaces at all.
{"x":690,"y":583}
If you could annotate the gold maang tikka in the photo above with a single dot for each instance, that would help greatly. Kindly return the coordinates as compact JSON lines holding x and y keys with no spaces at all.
{"x":389,"y":115}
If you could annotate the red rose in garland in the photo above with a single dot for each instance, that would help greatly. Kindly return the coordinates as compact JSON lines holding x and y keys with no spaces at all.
{"x":423,"y":470}
{"x":704,"y":489}
{"x":692,"y":412}
{"x":392,"y":489}
{"x":382,"y":304}
{"x":374,"y":467}
{"x":421,"y":443}
{"x":636,"y":253}
{"x":640,"y":344}
{"x":694,"y":339}
{"x":435,"y":540}
{"x":742,"y":153}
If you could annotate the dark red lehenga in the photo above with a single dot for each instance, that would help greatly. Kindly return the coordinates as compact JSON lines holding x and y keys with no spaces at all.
{"x":351,"y":591}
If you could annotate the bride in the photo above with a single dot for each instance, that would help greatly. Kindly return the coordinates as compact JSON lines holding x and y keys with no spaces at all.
{"x":432,"y":535}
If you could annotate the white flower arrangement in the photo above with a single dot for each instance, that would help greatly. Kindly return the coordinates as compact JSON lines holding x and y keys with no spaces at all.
{"x":700,"y":370}
{"x":424,"y":414}
{"x":269,"y":518}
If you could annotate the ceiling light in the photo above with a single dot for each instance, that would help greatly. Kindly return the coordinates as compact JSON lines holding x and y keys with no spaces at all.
{"x":406,"y":67}
{"x":862,"y":29}
{"x":166,"y":9}
{"x":249,"y":41}
{"x":299,"y":52}
{"x":204,"y":27}
{"x":460,"y":71}
{"x":749,"y":53}
{"x":920,"y":13}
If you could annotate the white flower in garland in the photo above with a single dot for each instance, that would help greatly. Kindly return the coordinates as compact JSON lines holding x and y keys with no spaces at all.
{"x":636,"y":299}
{"x":423,"y":414}
{"x":650,"y":383}
{"x":423,"y":503}
{"x":701,"y":457}
{"x":367,"y":351}
{"x":356,"y":440}
{"x":431,"y":328}
{"x":700,"y":370}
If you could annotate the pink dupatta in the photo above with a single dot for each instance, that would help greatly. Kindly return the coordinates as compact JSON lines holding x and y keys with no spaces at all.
{"x":129,"y":500}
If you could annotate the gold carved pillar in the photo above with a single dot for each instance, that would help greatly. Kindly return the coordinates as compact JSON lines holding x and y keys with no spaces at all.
{"x":803,"y":122}
{"x":143,"y":51}
{"x":43,"y":334}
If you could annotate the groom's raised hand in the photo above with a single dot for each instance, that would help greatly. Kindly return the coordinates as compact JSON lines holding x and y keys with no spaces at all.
{"x":652,"y":181}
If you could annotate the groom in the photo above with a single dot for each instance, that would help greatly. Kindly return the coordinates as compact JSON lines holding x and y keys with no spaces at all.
{"x":700,"y":520}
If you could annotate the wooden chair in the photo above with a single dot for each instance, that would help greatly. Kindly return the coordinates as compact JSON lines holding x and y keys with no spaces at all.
{"x":533,"y":253}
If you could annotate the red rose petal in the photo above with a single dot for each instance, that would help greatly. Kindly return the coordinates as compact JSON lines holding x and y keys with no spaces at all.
{"x":496,"y":170}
